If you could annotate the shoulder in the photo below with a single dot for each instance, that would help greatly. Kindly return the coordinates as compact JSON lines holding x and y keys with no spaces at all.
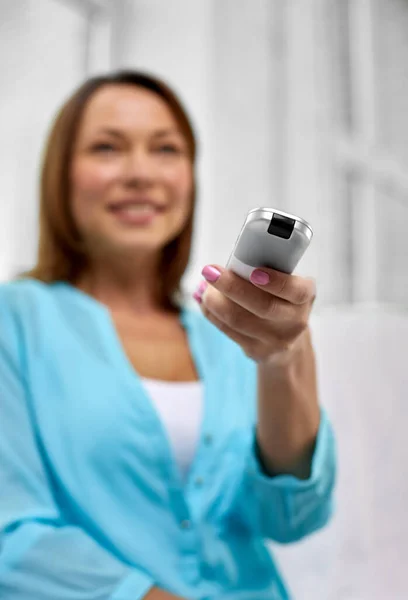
{"x":17,"y":301}
{"x":27,"y":305}
{"x":24,"y":295}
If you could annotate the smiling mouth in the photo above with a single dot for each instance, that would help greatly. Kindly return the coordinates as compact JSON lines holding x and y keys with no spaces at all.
{"x":136,"y":212}
{"x":134,"y":208}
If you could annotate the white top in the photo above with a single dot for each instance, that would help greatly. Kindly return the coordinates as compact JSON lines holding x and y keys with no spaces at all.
{"x":180,"y":406}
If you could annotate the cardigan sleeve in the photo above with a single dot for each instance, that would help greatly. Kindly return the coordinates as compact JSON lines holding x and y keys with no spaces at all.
{"x":281,"y":508}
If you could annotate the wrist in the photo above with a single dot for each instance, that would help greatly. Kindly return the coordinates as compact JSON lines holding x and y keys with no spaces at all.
{"x":284,"y":361}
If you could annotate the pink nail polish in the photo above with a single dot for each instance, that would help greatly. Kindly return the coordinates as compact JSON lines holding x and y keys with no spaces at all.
{"x":211,"y":274}
{"x":259,"y":277}
{"x":197,"y":297}
{"x":202,"y":287}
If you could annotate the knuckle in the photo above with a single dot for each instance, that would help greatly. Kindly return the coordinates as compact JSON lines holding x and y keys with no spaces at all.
{"x":222,"y":326}
{"x":297,"y":292}
{"x":281,"y":281}
{"x":285,"y":339}
{"x":304,"y":318}
{"x":304,"y":326}
{"x":212,"y":300}
{"x":297,"y":328}
{"x":305,"y":292}
{"x":301,"y":295}
{"x":286,"y":346}
{"x":252,"y":351}
{"x":229,"y":284}
{"x":235,"y":318}
{"x":304,"y":322}
{"x":207,"y":313}
{"x":263,"y":308}
{"x":215,"y":321}
{"x":271,"y":307}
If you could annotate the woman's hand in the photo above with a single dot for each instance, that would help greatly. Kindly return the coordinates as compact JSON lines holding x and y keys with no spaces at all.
{"x":266,"y":316}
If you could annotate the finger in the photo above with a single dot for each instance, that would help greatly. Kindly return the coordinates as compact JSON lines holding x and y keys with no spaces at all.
{"x":252,"y":347}
{"x":258,"y":301}
{"x":237,"y":318}
{"x":292,"y":288}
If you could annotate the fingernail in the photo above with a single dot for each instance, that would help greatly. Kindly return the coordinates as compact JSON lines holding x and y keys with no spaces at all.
{"x":197,"y":297}
{"x":202,"y":287}
{"x":211,"y":274}
{"x":259,"y":277}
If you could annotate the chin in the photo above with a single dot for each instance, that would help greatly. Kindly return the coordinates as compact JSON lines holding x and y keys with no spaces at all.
{"x":140,"y":244}
{"x":131,"y":241}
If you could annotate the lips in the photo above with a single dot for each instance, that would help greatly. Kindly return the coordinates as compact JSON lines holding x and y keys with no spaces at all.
{"x":135,"y":211}
{"x":135,"y":203}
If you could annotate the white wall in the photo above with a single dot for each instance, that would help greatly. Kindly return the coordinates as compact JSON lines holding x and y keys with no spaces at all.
{"x":30,"y":91}
{"x":46,"y":49}
{"x":173,"y":40}
{"x":363,"y":381}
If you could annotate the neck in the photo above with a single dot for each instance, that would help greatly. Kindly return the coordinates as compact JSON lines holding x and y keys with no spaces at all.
{"x":125,"y":286}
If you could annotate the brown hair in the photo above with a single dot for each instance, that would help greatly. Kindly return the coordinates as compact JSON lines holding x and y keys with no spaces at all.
{"x":60,"y":254}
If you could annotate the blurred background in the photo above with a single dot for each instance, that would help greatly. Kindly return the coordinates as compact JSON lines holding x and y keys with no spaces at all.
{"x":300,"y":105}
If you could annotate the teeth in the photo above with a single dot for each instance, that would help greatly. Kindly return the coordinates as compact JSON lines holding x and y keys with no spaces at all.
{"x":137,"y":208}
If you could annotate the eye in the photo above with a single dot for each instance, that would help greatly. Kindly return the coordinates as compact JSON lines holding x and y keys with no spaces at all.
{"x":103,"y":147}
{"x":169,"y":149}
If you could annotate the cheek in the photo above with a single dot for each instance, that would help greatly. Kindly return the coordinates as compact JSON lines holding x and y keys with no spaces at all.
{"x":90,"y":179}
{"x":180,"y":183}
{"x":89,"y":183}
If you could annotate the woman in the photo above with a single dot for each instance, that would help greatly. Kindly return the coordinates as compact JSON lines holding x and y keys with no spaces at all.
{"x":147,"y":450}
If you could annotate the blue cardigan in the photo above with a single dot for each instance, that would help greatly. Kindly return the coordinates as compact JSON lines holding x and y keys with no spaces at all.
{"x":92,"y":506}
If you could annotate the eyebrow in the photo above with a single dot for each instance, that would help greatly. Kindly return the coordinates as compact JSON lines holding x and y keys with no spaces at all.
{"x":164,"y":132}
{"x":111,"y":131}
{"x":156,"y":134}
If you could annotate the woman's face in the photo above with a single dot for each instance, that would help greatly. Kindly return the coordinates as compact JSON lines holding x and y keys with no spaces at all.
{"x":131,"y":176}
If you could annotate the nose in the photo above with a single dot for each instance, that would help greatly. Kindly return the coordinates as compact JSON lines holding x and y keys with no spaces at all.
{"x":139,"y":169}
